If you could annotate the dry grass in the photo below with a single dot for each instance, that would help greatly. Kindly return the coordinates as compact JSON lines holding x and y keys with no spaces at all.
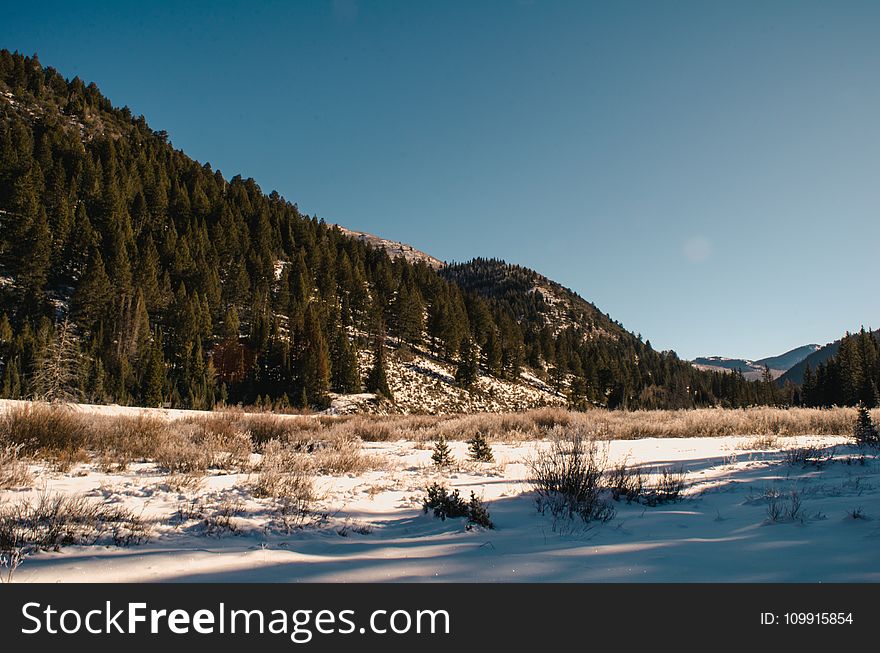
{"x":346,"y":457}
{"x":51,"y":521}
{"x":44,"y":430}
{"x":285,"y":474}
{"x":226,"y":440}
{"x":765,"y":424}
{"x":183,"y":483}
{"x":13,"y":469}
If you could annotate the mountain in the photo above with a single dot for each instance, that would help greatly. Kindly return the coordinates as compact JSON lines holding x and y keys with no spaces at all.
{"x":131,"y":273}
{"x":749,"y":369}
{"x":394,"y":248}
{"x":790,"y":358}
{"x":795,"y":373}
{"x":753,"y":370}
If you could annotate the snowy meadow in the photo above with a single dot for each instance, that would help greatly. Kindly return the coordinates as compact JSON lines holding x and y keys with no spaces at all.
{"x":91,"y":494}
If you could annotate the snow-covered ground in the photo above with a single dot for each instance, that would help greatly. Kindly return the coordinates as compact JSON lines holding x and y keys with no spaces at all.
{"x":372,"y":527}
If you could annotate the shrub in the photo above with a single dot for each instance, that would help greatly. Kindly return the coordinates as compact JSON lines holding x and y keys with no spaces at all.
{"x":808,"y":455}
{"x":176,"y":452}
{"x":444,"y":503}
{"x":286,"y":476}
{"x":667,"y":489}
{"x":13,"y":470}
{"x":345,"y":457}
{"x":55,"y":520}
{"x":44,"y":429}
{"x":442,"y":455}
{"x":479,"y":449}
{"x":626,"y":482}
{"x":781,"y":509}
{"x":478,"y":513}
{"x":865,"y":433}
{"x":221,"y":520}
{"x":568,"y":478}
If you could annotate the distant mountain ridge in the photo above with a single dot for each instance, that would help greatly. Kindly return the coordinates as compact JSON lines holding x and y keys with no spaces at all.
{"x":754,"y":369}
{"x":394,"y":248}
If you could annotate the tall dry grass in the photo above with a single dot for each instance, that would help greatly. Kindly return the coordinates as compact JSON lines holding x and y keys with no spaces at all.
{"x":226,"y":440}
{"x":618,"y":425}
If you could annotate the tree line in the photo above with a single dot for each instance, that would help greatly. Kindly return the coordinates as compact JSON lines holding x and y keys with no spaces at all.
{"x":850,"y":377}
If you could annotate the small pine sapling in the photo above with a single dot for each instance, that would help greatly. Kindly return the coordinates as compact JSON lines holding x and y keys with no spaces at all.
{"x":442,"y":455}
{"x":479,"y":449}
{"x":865,"y":431}
{"x":478,"y":513}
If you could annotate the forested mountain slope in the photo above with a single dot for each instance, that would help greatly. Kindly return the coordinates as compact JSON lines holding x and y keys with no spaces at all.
{"x":131,"y":273}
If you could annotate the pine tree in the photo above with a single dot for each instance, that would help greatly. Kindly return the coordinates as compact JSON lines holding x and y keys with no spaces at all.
{"x":865,"y":432}
{"x":231,"y":324}
{"x":479,"y":449}
{"x":407,"y":310}
{"x":94,"y":292}
{"x":468,"y":370}
{"x":155,"y":378}
{"x":345,"y":377}
{"x":377,"y":379}
{"x":442,"y":455}
{"x":315,"y":360}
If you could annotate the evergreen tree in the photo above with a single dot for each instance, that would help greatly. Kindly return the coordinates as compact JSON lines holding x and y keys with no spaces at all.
{"x":94,"y":293}
{"x":155,"y":379}
{"x":479,"y":449}
{"x":315,"y":362}
{"x":442,"y":455}
{"x":865,"y":432}
{"x":468,"y":370}
{"x":377,"y":379}
{"x":345,"y":377}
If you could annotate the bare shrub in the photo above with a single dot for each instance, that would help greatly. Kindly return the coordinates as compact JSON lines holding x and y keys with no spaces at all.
{"x":10,"y":561}
{"x":230,"y":452}
{"x":810,"y":455}
{"x":367,"y":429}
{"x":784,"y":507}
{"x":44,"y":429}
{"x":301,"y":433}
{"x":123,"y":440}
{"x":55,"y":520}
{"x":762,"y":442}
{"x":181,"y":482}
{"x":856,"y":513}
{"x":667,"y":488}
{"x":349,"y":527}
{"x":345,"y":457}
{"x":13,"y":470}
{"x":632,"y":484}
{"x":188,"y":510}
{"x":177,"y":452}
{"x":286,"y":476}
{"x":626,"y":482}
{"x":222,"y":519}
{"x":568,"y":479}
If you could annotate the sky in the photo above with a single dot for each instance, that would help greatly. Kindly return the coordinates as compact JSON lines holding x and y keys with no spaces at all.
{"x":705,"y":172}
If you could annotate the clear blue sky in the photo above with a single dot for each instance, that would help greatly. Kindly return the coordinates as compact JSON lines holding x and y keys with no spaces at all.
{"x":705,"y":172}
